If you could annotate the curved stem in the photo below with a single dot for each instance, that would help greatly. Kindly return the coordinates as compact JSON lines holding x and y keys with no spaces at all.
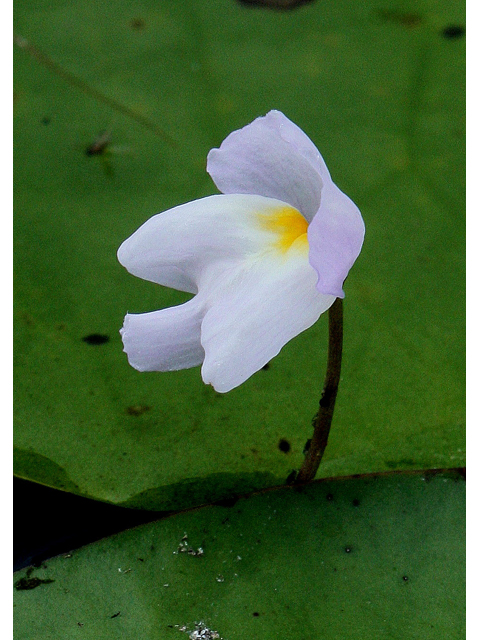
{"x":323,"y":419}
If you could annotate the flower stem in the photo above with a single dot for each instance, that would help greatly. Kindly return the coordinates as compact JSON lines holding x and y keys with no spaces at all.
{"x":323,"y":419}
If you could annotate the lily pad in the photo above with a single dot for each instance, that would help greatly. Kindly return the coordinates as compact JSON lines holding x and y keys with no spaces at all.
{"x":150,"y":87}
{"x":375,"y":557}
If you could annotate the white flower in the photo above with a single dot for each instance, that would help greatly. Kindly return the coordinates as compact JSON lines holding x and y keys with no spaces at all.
{"x":264,"y":259}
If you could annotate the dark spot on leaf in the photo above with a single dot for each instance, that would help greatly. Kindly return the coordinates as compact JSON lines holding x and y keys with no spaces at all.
{"x":284,"y":445}
{"x":348,"y":549}
{"x":99,"y":145}
{"x":255,"y":614}
{"x":266,"y":367}
{"x":115,"y":615}
{"x":406,"y":19}
{"x":140,"y":559}
{"x":453,"y":31}
{"x":280,"y":5}
{"x":137,"y":409}
{"x":137,"y":24}
{"x":30,"y":583}
{"x":355,"y":502}
{"x":45,"y":120}
{"x":405,"y":578}
{"x":329,"y":496}
{"x":96,"y":338}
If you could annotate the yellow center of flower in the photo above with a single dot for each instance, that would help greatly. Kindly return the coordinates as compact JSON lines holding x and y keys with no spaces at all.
{"x":289,"y":227}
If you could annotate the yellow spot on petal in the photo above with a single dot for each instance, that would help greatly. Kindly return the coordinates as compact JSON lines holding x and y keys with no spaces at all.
{"x":288,"y":226}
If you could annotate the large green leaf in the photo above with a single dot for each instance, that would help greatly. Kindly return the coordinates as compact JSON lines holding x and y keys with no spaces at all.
{"x":379,"y":88}
{"x":378,"y":557}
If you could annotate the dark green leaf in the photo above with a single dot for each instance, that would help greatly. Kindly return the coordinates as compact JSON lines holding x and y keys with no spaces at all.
{"x":375,"y":557}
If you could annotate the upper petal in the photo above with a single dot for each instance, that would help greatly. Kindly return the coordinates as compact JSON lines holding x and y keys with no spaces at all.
{"x":271,"y":157}
{"x":254,"y":312}
{"x":335,"y":238}
{"x":175,"y":247}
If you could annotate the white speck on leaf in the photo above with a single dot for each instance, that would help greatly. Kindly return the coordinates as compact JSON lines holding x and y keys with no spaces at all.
{"x":184,"y":547}
{"x":201,"y":632}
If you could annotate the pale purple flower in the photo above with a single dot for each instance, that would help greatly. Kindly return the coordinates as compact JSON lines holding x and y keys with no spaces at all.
{"x":265,"y":259}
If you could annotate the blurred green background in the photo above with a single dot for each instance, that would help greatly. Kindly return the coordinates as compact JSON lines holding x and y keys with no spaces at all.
{"x":379,"y":88}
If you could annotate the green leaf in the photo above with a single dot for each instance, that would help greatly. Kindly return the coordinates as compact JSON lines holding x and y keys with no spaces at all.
{"x":374,"y":557}
{"x":380,"y":90}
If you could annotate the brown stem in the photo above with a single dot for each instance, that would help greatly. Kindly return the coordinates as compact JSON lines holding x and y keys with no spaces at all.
{"x":323,"y":419}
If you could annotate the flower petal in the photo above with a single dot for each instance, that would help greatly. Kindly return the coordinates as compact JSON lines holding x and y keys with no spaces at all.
{"x":335,"y":238}
{"x":173,"y":248}
{"x":271,"y":157}
{"x":255,"y":312}
{"x":275,"y":158}
{"x":164,"y":340}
